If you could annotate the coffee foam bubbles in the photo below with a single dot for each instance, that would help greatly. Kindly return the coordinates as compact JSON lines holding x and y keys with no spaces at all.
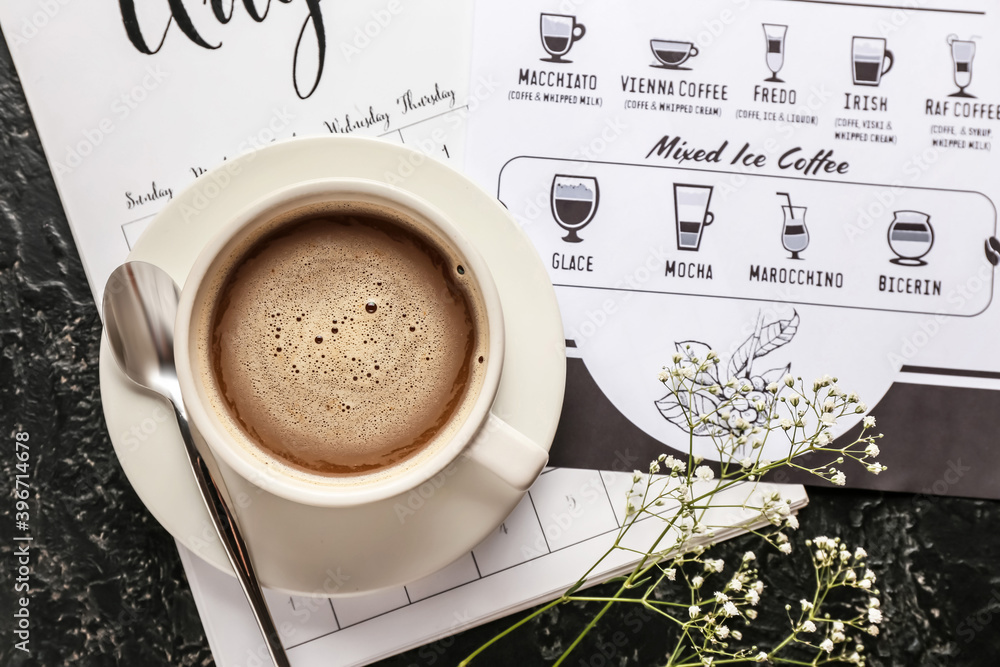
{"x":346,"y":344}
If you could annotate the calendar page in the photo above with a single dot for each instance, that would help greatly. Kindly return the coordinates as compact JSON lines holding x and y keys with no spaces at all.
{"x":566,"y":522}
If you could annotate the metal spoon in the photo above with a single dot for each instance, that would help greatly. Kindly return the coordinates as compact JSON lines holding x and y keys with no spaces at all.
{"x":140,"y":305}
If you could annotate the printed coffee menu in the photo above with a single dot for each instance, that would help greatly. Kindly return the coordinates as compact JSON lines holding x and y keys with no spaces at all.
{"x":810,"y":179}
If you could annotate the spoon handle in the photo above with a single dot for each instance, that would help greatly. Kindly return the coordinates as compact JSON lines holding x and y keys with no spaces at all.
{"x":232,"y":541}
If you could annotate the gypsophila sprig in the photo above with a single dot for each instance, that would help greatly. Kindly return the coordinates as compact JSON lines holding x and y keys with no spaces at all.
{"x":708,"y":605}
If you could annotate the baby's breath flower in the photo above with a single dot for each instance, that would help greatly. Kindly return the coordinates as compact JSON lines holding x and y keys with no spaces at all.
{"x":873,"y":630}
{"x":694,"y":611}
{"x":806,"y":604}
{"x":721,"y":597}
{"x":824,"y":438}
{"x":786,"y":423}
{"x":696,"y":582}
{"x":772,"y":387}
{"x":872,"y":450}
{"x":808,"y":626}
{"x":730,"y":609}
{"x":749,"y":556}
{"x":875,"y":468}
{"x":869,"y":421}
{"x":753,"y":597}
{"x":788,"y":380}
{"x":722,"y":631}
{"x":827,"y":645}
{"x":746,"y":463}
{"x":760,"y":657}
{"x":874,"y":615}
{"x":785,"y":548}
{"x":737,"y":635}
{"x":671,"y":574}
{"x":704,"y":473}
{"x":839,"y":478}
{"x":874,"y":603}
{"x":860,"y":553}
{"x":751,"y":614}
{"x":792,"y":522}
{"x":663,"y":376}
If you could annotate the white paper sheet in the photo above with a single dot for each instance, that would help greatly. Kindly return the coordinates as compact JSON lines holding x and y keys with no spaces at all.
{"x":563,"y":525}
{"x":677,"y":192}
{"x":125,"y":130}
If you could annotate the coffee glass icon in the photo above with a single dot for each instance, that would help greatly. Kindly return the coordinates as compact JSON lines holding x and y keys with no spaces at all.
{"x":559,"y":31}
{"x":962,"y":54}
{"x":691,"y":204}
{"x":671,"y":54}
{"x":574,"y":202}
{"x":774,"y":35}
{"x":910,"y":237}
{"x":794,"y":235}
{"x":871,"y":60}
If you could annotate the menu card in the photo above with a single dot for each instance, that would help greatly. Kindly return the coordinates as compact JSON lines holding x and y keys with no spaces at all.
{"x":806,"y":187}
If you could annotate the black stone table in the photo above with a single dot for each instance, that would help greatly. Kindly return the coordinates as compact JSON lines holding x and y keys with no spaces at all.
{"x":107,"y":587}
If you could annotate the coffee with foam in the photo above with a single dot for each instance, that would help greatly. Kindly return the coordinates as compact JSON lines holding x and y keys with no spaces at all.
{"x":344,"y":342}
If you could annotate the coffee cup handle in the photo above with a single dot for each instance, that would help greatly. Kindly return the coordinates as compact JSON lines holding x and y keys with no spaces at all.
{"x":583,"y":31}
{"x":890,"y":59}
{"x":694,"y":51}
{"x":507,"y":453}
{"x":709,"y":218}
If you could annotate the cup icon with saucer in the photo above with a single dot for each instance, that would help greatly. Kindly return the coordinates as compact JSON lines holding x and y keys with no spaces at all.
{"x":559,"y":33}
{"x":672,"y":54}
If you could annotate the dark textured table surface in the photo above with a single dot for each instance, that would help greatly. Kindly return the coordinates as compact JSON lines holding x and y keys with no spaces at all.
{"x":107,"y":586}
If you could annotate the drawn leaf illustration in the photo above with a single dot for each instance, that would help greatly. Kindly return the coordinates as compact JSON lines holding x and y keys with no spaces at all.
{"x":740,"y":360}
{"x":775,"y":374}
{"x":693,"y":349}
{"x":675,"y":408}
{"x":776,"y":334}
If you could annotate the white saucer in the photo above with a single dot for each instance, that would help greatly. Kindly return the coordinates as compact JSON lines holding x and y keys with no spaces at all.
{"x":308,"y":550}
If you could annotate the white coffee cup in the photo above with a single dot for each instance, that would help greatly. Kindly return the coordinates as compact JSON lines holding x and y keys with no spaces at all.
{"x":482,"y":436}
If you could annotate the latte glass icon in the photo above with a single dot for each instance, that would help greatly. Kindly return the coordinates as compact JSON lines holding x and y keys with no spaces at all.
{"x":559,"y":31}
{"x":962,"y":54}
{"x":574,"y":202}
{"x":691,"y":204}
{"x":794,"y":235}
{"x":910,"y":237}
{"x":774,"y":35}
{"x":870,"y":60}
